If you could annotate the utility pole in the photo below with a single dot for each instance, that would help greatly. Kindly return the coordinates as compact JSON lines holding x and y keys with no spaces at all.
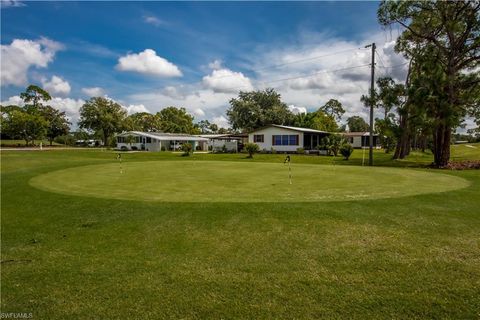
{"x":372,"y":93}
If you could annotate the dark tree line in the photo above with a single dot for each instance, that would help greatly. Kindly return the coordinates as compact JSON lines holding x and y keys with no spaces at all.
{"x":441,"y":41}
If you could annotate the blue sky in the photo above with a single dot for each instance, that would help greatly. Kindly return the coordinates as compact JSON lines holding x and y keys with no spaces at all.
{"x":148,"y":55}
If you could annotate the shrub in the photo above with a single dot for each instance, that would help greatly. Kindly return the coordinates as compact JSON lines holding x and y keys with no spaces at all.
{"x":300,"y":150}
{"x":187,"y":149}
{"x":163,"y":148}
{"x":134,"y":148}
{"x":251,"y":149}
{"x":346,"y":150}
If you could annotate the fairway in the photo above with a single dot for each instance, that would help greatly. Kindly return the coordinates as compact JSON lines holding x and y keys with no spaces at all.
{"x":214,"y":181}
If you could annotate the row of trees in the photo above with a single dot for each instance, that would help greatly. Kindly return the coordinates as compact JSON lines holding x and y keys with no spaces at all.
{"x":100,"y":117}
{"x":442,"y":45}
{"x":35,"y":120}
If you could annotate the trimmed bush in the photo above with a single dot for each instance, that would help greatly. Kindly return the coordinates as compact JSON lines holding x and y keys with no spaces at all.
{"x":187,"y":149}
{"x":251,"y":148}
{"x":300,"y":150}
{"x":346,"y":150}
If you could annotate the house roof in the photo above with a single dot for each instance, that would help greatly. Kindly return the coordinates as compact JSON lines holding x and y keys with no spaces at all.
{"x":358,"y":134}
{"x":224,"y":136}
{"x":307,"y":130}
{"x":163,"y":136}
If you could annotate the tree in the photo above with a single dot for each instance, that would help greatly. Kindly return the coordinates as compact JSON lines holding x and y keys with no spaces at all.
{"x":323,"y":122}
{"x":176,"y":120}
{"x":251,"y":148}
{"x":57,"y":123}
{"x":102,"y":115}
{"x":205,"y":126}
{"x":357,"y":124}
{"x":318,"y":120}
{"x":142,"y":121}
{"x":34,"y":95}
{"x":256,"y":109}
{"x":333,"y":108}
{"x":23,"y":125}
{"x":442,"y":38}
{"x":213,"y":128}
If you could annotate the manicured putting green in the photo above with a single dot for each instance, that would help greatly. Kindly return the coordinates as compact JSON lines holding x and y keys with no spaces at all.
{"x":221,"y":181}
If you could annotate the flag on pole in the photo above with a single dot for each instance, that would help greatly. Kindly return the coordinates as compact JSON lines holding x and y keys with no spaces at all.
{"x":287,"y":159}
{"x":119,"y":157}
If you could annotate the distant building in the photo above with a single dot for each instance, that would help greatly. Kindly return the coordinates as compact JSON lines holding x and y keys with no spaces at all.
{"x":230,"y":142}
{"x":286,"y":138}
{"x":159,"y":141}
{"x":361,"y":139}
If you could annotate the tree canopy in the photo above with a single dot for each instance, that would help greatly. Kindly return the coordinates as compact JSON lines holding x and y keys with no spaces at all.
{"x":357,"y":124}
{"x":255,"y":109}
{"x":176,"y":120}
{"x":441,"y":40}
{"x":104,"y":116}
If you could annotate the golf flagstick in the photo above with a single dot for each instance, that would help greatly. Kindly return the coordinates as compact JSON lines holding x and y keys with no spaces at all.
{"x":119,"y":157}
{"x":287,"y":159}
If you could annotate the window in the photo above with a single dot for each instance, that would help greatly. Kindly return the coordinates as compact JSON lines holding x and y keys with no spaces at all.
{"x":149,"y":140}
{"x":293,"y":140}
{"x":277,"y":140}
{"x":285,"y":140}
{"x":258,"y":138}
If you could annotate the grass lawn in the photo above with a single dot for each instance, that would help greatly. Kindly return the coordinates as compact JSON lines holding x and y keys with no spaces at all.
{"x":385,"y":243}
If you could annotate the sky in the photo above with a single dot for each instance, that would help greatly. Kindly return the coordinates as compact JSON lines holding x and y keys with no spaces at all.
{"x":196,"y":55}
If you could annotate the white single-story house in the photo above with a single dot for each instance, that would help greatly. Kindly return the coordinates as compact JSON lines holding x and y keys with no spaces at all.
{"x":286,"y":139}
{"x":230,"y":142}
{"x":361,"y":139}
{"x":159,"y":141}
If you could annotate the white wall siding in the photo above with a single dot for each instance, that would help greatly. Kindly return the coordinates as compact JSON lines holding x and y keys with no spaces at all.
{"x":267,"y":141}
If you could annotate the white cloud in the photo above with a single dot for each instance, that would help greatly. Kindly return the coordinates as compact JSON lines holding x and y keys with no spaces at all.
{"x":153,"y":20}
{"x":70,"y":106}
{"x":297,"y":110}
{"x":56,"y":86}
{"x":227,"y":81}
{"x":134,"y":108}
{"x":147,"y":62}
{"x":173,"y":92}
{"x":221,"y":122}
{"x":94,"y":91}
{"x":13,"y":101}
{"x":197,"y":112}
{"x":215,"y":65}
{"x":21,"y":54}
{"x":11,"y":4}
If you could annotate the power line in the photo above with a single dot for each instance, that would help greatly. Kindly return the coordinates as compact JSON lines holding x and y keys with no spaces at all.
{"x":380,"y":57}
{"x":292,"y":62}
{"x":305,"y":76}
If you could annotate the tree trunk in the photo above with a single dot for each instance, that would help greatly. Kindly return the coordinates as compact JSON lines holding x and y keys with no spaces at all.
{"x":441,"y":145}
{"x":401,"y":150}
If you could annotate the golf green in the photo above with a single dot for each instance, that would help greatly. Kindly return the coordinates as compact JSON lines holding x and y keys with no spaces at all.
{"x":214,"y":181}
